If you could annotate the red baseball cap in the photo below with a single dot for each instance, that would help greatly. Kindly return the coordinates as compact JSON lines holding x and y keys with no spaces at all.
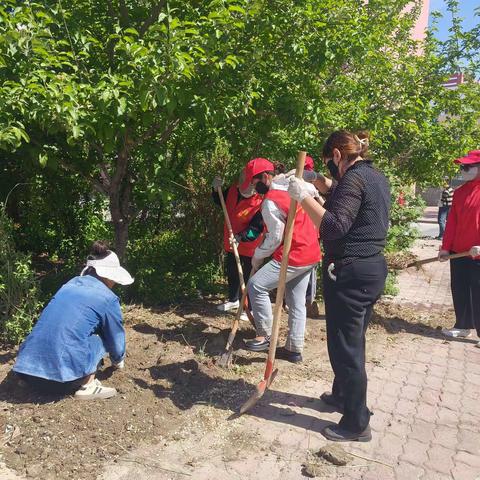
{"x":309,"y":165}
{"x":472,"y":157}
{"x":254,"y":167}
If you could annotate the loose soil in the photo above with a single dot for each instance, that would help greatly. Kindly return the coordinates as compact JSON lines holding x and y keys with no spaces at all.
{"x":170,"y":369}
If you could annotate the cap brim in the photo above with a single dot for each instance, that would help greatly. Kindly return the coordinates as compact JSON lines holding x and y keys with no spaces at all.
{"x":116,"y":274}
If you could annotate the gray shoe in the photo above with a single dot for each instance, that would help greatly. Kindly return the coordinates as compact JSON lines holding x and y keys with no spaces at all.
{"x":256,"y":346}
{"x":335,"y":433}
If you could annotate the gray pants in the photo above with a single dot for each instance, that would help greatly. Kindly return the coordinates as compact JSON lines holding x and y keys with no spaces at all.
{"x":266,"y":279}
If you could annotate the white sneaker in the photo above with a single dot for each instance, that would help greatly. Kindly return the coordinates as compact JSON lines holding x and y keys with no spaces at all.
{"x":456,"y":332}
{"x":244,"y":317}
{"x":225,"y":307}
{"x":478,"y":345}
{"x":94,"y":390}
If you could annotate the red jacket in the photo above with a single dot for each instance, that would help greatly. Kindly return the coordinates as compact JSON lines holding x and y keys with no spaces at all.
{"x":463,"y":223}
{"x":240,"y":214}
{"x":305,"y":249}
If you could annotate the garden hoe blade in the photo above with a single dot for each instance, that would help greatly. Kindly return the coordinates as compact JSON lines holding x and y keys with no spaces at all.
{"x":270,"y":373}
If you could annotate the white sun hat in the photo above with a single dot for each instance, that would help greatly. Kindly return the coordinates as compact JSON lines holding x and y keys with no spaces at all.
{"x":109,"y":267}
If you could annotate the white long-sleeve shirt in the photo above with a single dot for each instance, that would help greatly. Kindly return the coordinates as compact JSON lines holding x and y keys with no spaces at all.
{"x":275,"y":221}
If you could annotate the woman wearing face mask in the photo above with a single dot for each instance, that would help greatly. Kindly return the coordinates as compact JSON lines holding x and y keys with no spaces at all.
{"x":243,"y":207}
{"x":304,"y":255}
{"x":354,"y":222}
{"x":461,"y":233}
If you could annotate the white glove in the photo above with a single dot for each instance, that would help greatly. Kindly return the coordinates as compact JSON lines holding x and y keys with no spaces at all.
{"x":299,"y":189}
{"x":475,"y":251}
{"x":233,"y":241}
{"x":256,"y":263}
{"x":217,"y":183}
{"x":120,"y":365}
{"x":442,"y":255}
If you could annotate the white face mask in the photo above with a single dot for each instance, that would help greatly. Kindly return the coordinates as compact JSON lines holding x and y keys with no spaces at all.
{"x":471,"y":174}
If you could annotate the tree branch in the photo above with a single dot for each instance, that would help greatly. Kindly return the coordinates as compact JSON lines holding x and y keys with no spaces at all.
{"x":124,"y":16}
{"x":152,"y":18}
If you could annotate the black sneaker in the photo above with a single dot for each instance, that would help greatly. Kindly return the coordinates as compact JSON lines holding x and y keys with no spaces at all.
{"x":285,"y":354}
{"x":336,"y":433}
{"x":332,"y":401}
{"x":256,"y":346}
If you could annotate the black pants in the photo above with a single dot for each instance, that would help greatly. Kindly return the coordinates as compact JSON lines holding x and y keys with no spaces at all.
{"x":348,"y":307}
{"x":465,"y":283}
{"x":232,"y":274}
{"x":51,"y":387}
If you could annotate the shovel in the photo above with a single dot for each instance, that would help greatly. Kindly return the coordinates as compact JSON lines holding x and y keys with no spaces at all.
{"x":270,"y":373}
{"x":233,"y":243}
{"x":225,"y":359}
{"x":470,"y":253}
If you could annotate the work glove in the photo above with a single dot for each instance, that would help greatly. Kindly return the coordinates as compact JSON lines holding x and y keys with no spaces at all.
{"x":217,"y":183}
{"x":119,"y":365}
{"x":442,"y":255}
{"x":233,"y":242}
{"x":475,"y":251}
{"x":299,"y":189}
{"x":256,"y":263}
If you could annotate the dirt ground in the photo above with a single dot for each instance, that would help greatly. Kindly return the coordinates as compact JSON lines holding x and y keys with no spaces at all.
{"x":170,"y":368}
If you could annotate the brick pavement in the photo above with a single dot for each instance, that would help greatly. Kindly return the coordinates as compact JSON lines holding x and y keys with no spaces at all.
{"x":424,"y":393}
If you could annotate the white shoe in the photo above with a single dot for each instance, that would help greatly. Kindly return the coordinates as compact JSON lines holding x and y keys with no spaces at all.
{"x":478,"y":345}
{"x":244,"y":317}
{"x":456,"y":332}
{"x":225,"y":307}
{"x":94,"y":390}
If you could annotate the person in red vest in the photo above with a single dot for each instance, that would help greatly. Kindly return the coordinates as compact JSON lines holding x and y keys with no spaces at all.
{"x":304,"y":256}
{"x":243,"y":207}
{"x":462,"y":232}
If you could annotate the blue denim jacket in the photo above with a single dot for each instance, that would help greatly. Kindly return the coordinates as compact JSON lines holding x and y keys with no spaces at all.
{"x":82,"y":323}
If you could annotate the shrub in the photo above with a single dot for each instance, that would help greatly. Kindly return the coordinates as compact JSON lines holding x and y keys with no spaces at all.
{"x":19,"y":303}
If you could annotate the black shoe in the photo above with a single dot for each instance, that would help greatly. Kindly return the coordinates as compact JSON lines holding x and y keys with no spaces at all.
{"x":256,"y":346}
{"x":336,"y":433}
{"x":332,"y":401}
{"x":285,"y":354}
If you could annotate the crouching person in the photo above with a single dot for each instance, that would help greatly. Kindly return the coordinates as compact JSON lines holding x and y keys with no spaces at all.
{"x":79,"y":326}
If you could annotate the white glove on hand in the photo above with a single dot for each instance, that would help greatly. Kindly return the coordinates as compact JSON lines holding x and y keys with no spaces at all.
{"x":120,"y":365}
{"x":233,"y":241}
{"x":475,"y":251}
{"x":442,"y":255}
{"x":217,"y":183}
{"x":299,"y":189}
{"x":256,"y":263}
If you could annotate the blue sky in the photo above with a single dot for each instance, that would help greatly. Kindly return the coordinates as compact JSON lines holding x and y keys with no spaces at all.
{"x":467,"y":8}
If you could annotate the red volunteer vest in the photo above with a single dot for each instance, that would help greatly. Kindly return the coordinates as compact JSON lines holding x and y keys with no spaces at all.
{"x":241,"y":214}
{"x":305,"y":249}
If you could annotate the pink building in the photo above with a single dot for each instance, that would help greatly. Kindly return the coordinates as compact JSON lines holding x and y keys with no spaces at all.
{"x":422,"y":22}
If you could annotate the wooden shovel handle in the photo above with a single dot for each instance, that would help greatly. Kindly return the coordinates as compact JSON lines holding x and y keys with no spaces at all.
{"x":287,"y":243}
{"x":418,"y":263}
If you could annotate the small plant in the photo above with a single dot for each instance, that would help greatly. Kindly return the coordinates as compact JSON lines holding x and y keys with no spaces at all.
{"x":19,"y":303}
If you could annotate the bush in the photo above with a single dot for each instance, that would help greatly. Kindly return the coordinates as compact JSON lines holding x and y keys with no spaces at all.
{"x":19,"y":303}
{"x":170,"y":266}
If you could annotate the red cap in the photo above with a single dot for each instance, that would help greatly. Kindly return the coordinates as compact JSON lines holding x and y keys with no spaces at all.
{"x":472,"y":157}
{"x":254,"y":167}
{"x":309,"y":165}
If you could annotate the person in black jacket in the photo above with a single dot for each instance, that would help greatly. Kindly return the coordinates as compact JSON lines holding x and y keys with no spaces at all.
{"x":353,"y":224}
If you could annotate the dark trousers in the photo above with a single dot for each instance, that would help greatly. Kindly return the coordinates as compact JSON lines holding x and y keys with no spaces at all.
{"x":348,"y":307}
{"x":465,"y":284}
{"x":232,"y":274}
{"x":51,"y":387}
{"x":442,"y":220}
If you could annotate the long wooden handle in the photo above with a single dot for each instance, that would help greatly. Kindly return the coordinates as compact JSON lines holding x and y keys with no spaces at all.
{"x":287,"y":243}
{"x":232,"y":240}
{"x":418,"y":263}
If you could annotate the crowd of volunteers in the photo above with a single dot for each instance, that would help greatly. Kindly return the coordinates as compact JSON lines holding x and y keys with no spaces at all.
{"x":347,"y":211}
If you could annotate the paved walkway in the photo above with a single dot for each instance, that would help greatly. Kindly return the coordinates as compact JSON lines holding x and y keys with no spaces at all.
{"x":425,"y":398}
{"x":428,"y":287}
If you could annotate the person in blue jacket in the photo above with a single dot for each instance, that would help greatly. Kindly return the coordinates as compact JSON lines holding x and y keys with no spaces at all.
{"x":79,"y":326}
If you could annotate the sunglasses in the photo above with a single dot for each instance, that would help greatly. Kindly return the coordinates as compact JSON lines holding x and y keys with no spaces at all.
{"x":466,"y":168}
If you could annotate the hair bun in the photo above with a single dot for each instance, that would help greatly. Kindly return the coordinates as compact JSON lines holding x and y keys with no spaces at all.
{"x":99,"y":249}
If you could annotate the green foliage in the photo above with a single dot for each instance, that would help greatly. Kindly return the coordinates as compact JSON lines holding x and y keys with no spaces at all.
{"x":19,"y":304}
{"x":402,"y":233}
{"x":170,"y":267}
{"x":391,"y":287}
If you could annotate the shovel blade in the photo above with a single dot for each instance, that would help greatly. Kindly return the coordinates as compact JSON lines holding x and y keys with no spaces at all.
{"x":258,"y":394}
{"x":225,"y":359}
